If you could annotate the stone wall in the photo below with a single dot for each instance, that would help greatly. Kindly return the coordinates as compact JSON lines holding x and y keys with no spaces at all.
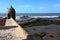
{"x":22,"y":32}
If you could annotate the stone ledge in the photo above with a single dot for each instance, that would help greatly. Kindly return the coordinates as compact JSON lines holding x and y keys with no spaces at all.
{"x":7,"y":27}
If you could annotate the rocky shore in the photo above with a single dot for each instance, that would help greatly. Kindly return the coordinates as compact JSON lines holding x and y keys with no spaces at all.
{"x":38,"y":22}
{"x":42,"y":29}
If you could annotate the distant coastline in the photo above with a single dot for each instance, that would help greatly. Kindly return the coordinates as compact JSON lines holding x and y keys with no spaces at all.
{"x":38,"y":14}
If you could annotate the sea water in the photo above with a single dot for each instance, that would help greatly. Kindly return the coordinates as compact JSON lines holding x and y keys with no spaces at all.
{"x":34,"y":15}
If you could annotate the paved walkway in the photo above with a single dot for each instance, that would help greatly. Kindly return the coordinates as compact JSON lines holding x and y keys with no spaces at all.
{"x":9,"y":34}
{"x":9,"y":23}
{"x":14,"y":33}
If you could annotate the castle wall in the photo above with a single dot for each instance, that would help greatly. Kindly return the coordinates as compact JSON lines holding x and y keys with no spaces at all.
{"x":12,"y":31}
{"x":22,"y":32}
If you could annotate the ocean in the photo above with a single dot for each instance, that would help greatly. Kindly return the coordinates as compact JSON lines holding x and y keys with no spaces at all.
{"x":36,"y":15}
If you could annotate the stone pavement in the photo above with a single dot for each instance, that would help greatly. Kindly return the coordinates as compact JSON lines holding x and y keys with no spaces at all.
{"x":12,"y":33}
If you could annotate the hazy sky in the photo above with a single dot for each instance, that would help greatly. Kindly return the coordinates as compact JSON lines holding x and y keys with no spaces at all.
{"x":31,"y":6}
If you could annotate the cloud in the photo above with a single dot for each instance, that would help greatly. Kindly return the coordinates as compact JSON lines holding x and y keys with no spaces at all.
{"x":25,"y":5}
{"x":57,"y":5}
{"x":42,"y":7}
{"x":28,"y":6}
{"x":25,"y":8}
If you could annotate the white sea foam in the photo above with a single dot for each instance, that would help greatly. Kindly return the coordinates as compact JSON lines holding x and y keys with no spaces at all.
{"x":53,"y":17}
{"x":18,"y":17}
{"x":44,"y":16}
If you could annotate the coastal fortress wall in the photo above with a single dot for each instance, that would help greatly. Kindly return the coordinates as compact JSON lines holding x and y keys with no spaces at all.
{"x":12,"y":31}
{"x":22,"y":32}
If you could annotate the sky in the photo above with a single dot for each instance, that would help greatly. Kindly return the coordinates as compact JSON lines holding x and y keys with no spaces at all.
{"x":31,"y":6}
